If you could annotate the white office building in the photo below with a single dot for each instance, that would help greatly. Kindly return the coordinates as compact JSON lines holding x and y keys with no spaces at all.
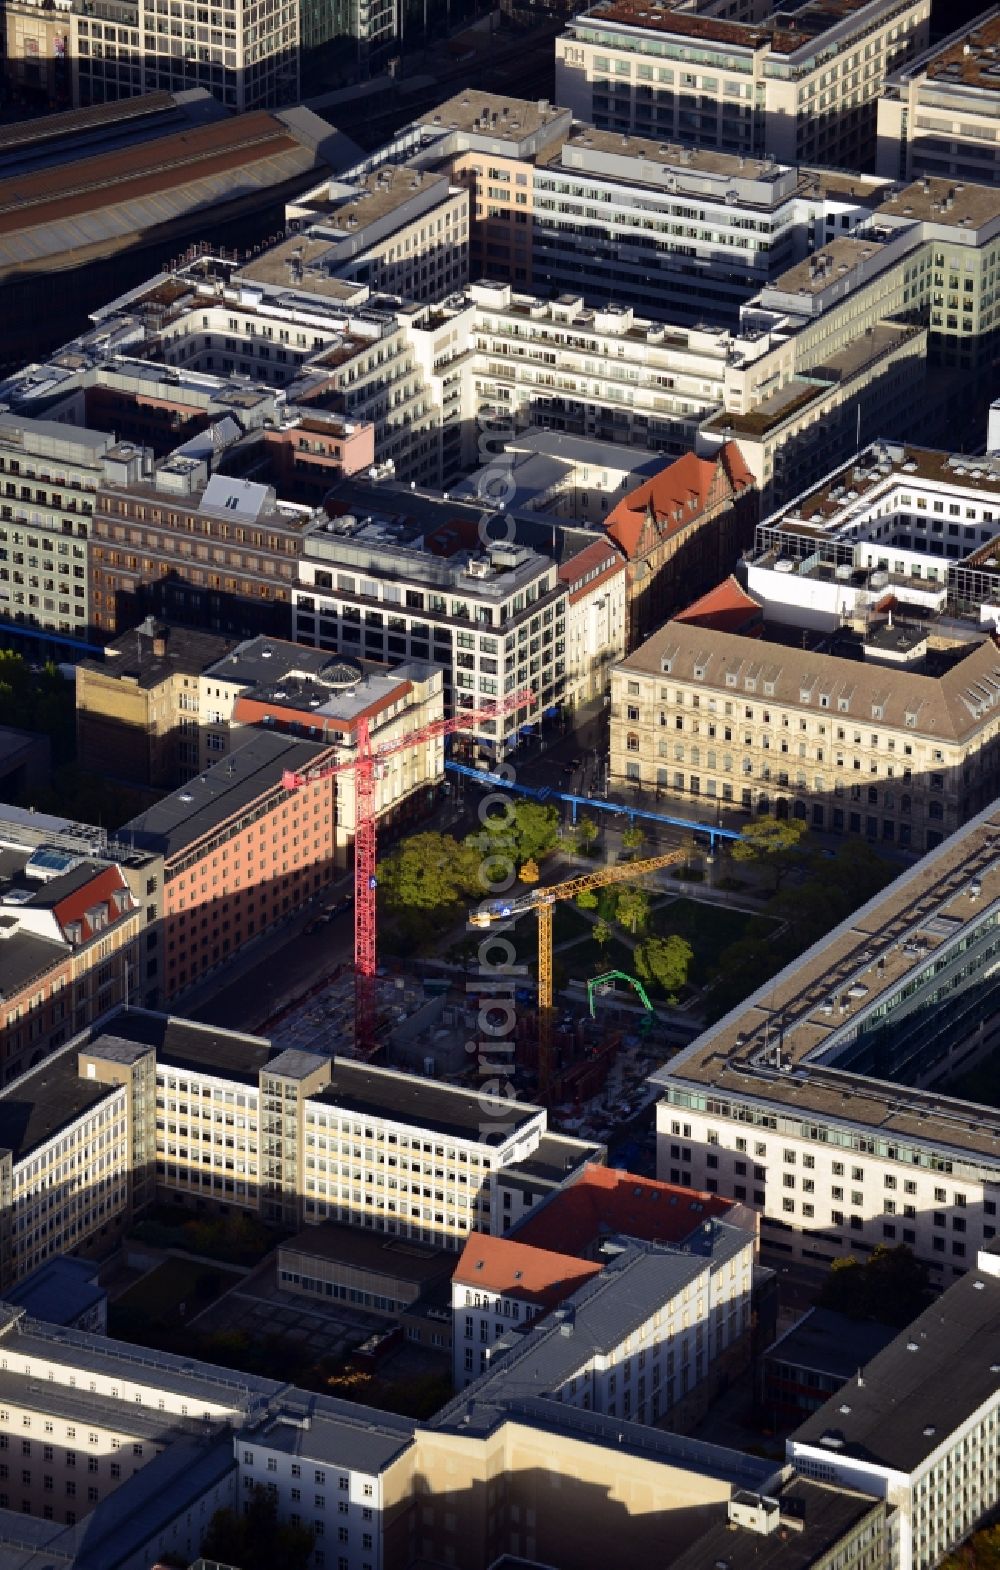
{"x":920,"y":1425}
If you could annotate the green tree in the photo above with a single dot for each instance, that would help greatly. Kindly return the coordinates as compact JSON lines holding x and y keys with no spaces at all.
{"x":586,"y":833}
{"x":981,"y":1552}
{"x":777,"y":841}
{"x":527,"y":831}
{"x":587,"y":899}
{"x":529,"y":872}
{"x":428,"y":871}
{"x":536,"y":829}
{"x":892,"y":1286}
{"x":257,"y":1540}
{"x":602,"y":933}
{"x":632,"y":908}
{"x":633,"y":837}
{"x":664,"y":961}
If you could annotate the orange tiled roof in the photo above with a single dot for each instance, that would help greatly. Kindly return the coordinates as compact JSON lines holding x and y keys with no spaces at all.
{"x":502,"y":1264}
{"x":603,"y":1202}
{"x":99,"y":893}
{"x":727,"y":608}
{"x":677,"y":493}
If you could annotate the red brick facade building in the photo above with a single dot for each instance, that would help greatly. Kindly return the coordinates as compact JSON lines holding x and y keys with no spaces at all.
{"x":680,"y":533}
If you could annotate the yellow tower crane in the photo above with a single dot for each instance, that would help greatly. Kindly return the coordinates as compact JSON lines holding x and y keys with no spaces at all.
{"x":542,"y":901}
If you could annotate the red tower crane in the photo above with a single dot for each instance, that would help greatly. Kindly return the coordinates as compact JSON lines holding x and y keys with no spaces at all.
{"x":365,"y":765}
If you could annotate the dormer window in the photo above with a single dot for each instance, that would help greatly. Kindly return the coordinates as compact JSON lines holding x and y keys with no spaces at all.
{"x":730,"y":678}
{"x":666,"y":665}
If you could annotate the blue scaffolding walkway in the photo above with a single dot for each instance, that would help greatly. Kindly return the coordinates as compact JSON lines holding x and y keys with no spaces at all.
{"x":545,"y":793}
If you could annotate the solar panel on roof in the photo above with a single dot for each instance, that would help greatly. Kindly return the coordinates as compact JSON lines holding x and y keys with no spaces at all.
{"x":50,"y":862}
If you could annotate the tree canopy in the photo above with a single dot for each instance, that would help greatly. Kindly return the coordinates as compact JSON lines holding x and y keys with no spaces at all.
{"x":586,"y":833}
{"x":526,"y":832}
{"x":980,"y":1552}
{"x":664,"y":961}
{"x":632,"y":908}
{"x":257,"y":1540}
{"x":891,"y":1286}
{"x":778,"y":841}
{"x":428,"y":871}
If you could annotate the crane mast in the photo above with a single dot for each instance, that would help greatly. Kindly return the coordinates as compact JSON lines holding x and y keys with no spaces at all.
{"x":543,"y":902}
{"x":364,"y":766}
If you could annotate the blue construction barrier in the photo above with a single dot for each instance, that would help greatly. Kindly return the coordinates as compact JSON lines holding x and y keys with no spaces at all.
{"x":545,"y":793}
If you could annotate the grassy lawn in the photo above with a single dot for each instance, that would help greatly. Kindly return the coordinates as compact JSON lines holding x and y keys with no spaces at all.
{"x":585,"y":960}
{"x":710,"y":930}
{"x":158,"y":1296}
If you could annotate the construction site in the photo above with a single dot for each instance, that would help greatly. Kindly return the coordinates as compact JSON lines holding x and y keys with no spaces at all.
{"x":580,"y":1036}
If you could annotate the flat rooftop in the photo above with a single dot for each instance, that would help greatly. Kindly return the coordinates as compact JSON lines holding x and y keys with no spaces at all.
{"x":972,"y":206}
{"x":880,"y":470}
{"x":135,"y":656}
{"x":553,"y":1160}
{"x":262,"y":661}
{"x":337,"y":1433}
{"x":832,"y":262}
{"x":930,"y":1380}
{"x":815,"y":381}
{"x":360,"y":1249}
{"x":185,"y":1044}
{"x":640,"y":14}
{"x":491,"y":114}
{"x":971,"y":61}
{"x":831,"y":1343}
{"x":822,"y":1518}
{"x":784,"y":32}
{"x":384,"y":1095}
{"x":378,"y":195}
{"x":228,"y":788}
{"x":670,"y":155}
{"x":79,"y":1353}
{"x":875,"y":952}
{"x":59,"y":1291}
{"x":35,"y":1107}
{"x":295,"y":265}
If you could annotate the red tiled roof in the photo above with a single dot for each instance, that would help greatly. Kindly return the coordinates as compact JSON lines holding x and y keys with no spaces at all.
{"x":727,"y":608}
{"x":601,"y":559}
{"x":588,"y":560}
{"x":501,"y":1264}
{"x":603,"y":1202}
{"x":99,"y":891}
{"x":678,"y":493}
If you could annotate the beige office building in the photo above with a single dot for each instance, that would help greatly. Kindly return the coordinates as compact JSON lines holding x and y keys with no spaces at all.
{"x":938,"y":115}
{"x":865,"y":747}
{"x":801,"y":89}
